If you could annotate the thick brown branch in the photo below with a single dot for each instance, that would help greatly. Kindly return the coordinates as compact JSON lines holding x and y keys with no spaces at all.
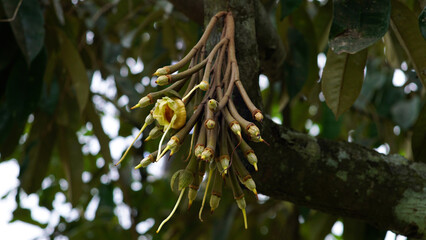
{"x":343,"y":179}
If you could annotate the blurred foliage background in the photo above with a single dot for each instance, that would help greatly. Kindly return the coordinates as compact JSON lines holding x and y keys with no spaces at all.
{"x":70,"y":68}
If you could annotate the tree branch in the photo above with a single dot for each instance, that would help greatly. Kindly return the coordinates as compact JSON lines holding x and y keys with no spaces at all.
{"x":343,"y":178}
{"x":333,"y":176}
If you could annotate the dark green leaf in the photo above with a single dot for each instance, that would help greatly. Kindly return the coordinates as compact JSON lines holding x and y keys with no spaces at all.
{"x":28,"y":26}
{"x":22,"y":95}
{"x":305,"y":26}
{"x":358,"y":24}
{"x":12,"y":139}
{"x":47,"y":196}
{"x":394,"y":53}
{"x":330,"y":126}
{"x":68,"y":114}
{"x":37,"y":153}
{"x":76,"y":69}
{"x":322,"y":24}
{"x":296,"y":63}
{"x":418,"y":141}
{"x":342,"y":79}
{"x":374,"y":79}
{"x":24,"y":214}
{"x":10,"y":50}
{"x":106,"y":204}
{"x":72,"y":162}
{"x":288,"y":6}
{"x":404,"y":24}
{"x":422,"y":22}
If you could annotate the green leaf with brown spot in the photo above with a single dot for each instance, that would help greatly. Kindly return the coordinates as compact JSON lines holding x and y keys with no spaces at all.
{"x":342,"y":79}
{"x":358,"y":24}
{"x":405,"y":26}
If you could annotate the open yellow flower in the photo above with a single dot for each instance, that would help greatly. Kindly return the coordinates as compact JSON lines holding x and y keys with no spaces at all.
{"x":170,"y":113}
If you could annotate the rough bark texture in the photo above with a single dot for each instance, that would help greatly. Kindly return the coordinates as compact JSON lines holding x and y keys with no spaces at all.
{"x":336,"y":177}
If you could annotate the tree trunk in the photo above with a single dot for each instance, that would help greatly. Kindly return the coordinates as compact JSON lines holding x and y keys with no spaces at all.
{"x":333,"y":176}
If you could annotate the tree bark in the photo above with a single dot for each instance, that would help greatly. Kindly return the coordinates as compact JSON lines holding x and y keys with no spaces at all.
{"x":336,"y":177}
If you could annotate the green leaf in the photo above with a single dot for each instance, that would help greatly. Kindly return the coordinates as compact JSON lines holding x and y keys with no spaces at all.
{"x":330,"y":126}
{"x":303,"y":23}
{"x":28,"y":26}
{"x":296,"y":62}
{"x":418,"y":141}
{"x":322,"y":24}
{"x":358,"y":24}
{"x":24,"y":214}
{"x":8,"y":54}
{"x":342,"y":79}
{"x":288,"y":6}
{"x":76,"y":69}
{"x":22,"y":95}
{"x":67,"y":114}
{"x":374,"y":80}
{"x":72,"y":161}
{"x":422,"y":22}
{"x":404,"y":24}
{"x":394,"y":53}
{"x":37,"y":153}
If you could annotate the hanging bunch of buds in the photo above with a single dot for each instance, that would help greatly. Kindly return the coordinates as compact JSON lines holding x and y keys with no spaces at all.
{"x":218,"y":128}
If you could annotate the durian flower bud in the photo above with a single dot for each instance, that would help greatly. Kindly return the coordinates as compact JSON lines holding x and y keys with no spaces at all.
{"x":241,"y":203}
{"x":207,"y":154}
{"x":163,"y":80}
{"x":162,"y":71}
{"x":236,"y":128}
{"x":252,"y":159}
{"x":143,"y":102}
{"x":149,"y":119}
{"x":173,"y":144}
{"x":258,"y":116}
{"x":249,"y":183}
{"x":185,"y":178}
{"x":253,"y":131}
{"x":199,"y":150}
{"x":145,"y":162}
{"x":155,"y":132}
{"x":210,"y":123}
{"x":204,"y":86}
{"x":212,"y":104}
{"x":214,"y":202}
{"x":192,"y":194}
{"x":224,"y":162}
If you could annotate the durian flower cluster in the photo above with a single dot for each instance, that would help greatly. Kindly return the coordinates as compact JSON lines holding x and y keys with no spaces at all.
{"x":206,"y":108}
